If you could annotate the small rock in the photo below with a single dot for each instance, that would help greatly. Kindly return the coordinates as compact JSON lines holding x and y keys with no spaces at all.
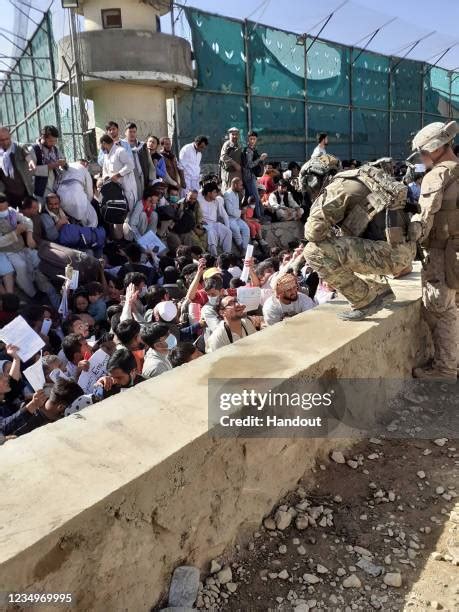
{"x":426,"y":452}
{"x":282,"y":549}
{"x":439,"y":490}
{"x":283,"y":575}
{"x":441,"y":441}
{"x":214,"y":567}
{"x":393,"y":579}
{"x":321,"y":569}
{"x":295,"y":541}
{"x":370,"y":568}
{"x":310,"y":579}
{"x":338,"y":499}
{"x":283,"y":519}
{"x":301,"y":522}
{"x":362,"y":551}
{"x":301,"y":550}
{"x":302,"y":607}
{"x":373,"y":456}
{"x":341,"y":572}
{"x":436,"y":556}
{"x":421,"y":474}
{"x":184,"y":587}
{"x":391,"y":496}
{"x":231,"y":587}
{"x":387,"y":560}
{"x":269,"y":523}
{"x":435,"y":605}
{"x":353,"y":464}
{"x":225,"y":575}
{"x":352,"y":582}
{"x":338,"y":457}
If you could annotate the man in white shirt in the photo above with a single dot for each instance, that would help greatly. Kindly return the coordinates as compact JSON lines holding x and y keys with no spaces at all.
{"x":190,"y":161}
{"x":134,"y":145}
{"x":76,"y":192}
{"x":322,"y":140}
{"x":283,"y":204}
{"x":234,"y":325}
{"x":215,"y":219}
{"x":238,"y":226}
{"x":287,"y":302}
{"x":119,"y":167}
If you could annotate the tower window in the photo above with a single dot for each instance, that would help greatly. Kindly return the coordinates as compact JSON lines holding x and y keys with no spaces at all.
{"x":111,"y":18}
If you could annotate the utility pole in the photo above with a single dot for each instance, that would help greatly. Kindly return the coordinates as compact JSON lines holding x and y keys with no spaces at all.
{"x":78,"y":80}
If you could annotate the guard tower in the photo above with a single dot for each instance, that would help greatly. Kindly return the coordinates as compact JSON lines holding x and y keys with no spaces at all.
{"x":129,"y":67}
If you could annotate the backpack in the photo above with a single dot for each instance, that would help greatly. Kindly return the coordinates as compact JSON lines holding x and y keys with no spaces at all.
{"x":113,"y":206}
{"x":78,"y":237}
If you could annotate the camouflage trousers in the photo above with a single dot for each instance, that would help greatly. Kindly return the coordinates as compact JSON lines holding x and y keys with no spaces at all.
{"x":342,"y":261}
{"x":440,"y":311}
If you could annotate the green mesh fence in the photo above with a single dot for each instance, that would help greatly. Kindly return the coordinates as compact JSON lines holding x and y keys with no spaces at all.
{"x":30,"y":99}
{"x":369,"y":104}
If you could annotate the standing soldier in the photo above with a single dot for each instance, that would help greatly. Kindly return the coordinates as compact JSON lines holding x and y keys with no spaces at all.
{"x":230,"y":159}
{"x":437,"y":228}
{"x":357,"y":226}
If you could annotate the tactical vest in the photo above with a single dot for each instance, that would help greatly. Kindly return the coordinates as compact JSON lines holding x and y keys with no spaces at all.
{"x":445,"y":229}
{"x":446,"y":220}
{"x":385,"y":195}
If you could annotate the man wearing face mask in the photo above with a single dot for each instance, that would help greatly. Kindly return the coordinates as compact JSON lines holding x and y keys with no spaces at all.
{"x":160,"y":342}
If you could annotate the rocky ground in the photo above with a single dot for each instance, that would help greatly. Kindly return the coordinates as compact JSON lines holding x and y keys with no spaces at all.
{"x":373,"y":528}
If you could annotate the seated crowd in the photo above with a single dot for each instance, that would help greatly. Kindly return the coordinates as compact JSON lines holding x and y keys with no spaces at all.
{"x":160,"y":251}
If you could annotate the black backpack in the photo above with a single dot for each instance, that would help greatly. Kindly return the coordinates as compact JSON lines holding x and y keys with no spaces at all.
{"x":113,"y":205}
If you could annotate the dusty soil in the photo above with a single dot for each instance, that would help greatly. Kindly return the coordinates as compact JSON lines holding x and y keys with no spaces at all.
{"x":397,"y":502}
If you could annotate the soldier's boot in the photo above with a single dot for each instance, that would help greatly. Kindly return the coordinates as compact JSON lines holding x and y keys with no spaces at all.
{"x":433,"y":374}
{"x":381,"y":301}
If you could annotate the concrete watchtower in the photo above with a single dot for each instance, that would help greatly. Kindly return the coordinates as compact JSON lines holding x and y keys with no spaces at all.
{"x":130,"y":68}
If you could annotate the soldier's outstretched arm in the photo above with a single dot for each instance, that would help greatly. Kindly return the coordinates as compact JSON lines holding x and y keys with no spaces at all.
{"x":430,"y":200}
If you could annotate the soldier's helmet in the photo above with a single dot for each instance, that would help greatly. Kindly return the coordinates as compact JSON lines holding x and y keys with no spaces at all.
{"x":323,"y":165}
{"x":434,"y":136}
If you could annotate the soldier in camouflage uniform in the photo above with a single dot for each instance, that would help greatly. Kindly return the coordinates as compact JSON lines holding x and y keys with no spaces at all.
{"x":357,"y":227}
{"x":437,"y":228}
{"x":312,"y":176}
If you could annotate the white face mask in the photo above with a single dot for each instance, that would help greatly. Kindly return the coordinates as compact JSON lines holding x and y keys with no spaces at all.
{"x":171,"y":341}
{"x":4,"y":213}
{"x":143,"y":291}
{"x":252,"y":206}
{"x":213,"y":300}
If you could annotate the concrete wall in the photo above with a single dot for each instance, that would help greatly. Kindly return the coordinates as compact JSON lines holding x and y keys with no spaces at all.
{"x":107,"y":503}
{"x":144,"y":105}
{"x":134,"y":14}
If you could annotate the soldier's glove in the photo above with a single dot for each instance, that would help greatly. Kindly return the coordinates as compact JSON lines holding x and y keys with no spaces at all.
{"x":414,"y":231}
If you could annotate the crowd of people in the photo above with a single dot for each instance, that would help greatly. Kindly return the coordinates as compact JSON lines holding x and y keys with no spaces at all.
{"x":160,"y":251}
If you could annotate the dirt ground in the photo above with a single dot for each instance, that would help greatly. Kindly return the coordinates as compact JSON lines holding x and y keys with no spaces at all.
{"x":347,"y":536}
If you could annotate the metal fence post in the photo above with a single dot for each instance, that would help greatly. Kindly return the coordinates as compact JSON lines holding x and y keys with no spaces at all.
{"x":248,"y":91}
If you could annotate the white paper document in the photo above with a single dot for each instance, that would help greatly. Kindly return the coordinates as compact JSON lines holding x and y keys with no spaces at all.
{"x":150,"y":240}
{"x":246,"y":268}
{"x":97,"y":369}
{"x":35,"y":375}
{"x":45,"y":326}
{"x":20,"y":334}
{"x":250,"y":297}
